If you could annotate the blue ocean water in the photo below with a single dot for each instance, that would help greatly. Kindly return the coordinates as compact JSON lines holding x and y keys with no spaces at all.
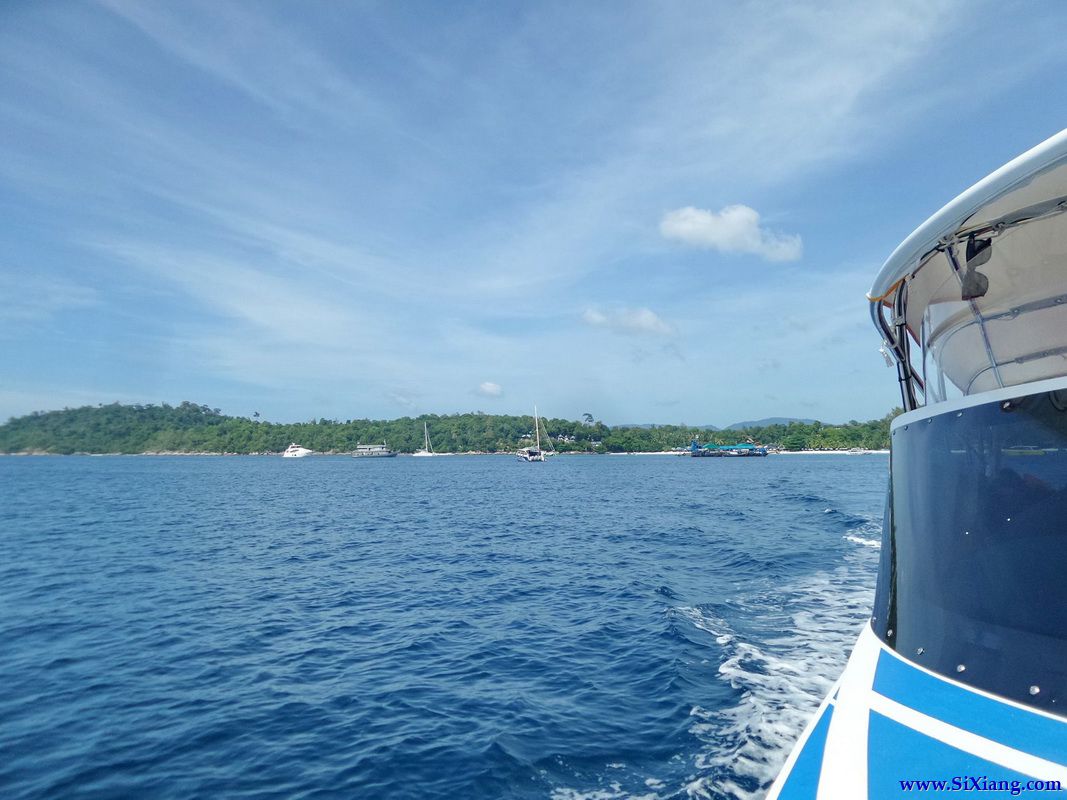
{"x":591,"y":628}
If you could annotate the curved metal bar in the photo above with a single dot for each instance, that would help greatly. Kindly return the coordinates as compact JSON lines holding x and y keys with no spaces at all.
{"x":894,"y":335}
{"x":1036,"y":355}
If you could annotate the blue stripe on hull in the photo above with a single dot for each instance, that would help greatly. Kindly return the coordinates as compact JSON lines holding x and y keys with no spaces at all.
{"x":1000,"y":722}
{"x":898,"y":753}
{"x":803,"y":780}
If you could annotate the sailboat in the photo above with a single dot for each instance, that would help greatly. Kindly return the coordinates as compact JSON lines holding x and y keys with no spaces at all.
{"x":534,"y":453}
{"x":427,"y":448}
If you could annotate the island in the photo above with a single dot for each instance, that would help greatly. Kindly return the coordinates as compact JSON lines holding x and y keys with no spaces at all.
{"x":192,"y":428}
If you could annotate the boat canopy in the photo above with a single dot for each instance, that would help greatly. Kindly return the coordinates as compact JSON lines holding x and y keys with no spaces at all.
{"x":976,"y":298}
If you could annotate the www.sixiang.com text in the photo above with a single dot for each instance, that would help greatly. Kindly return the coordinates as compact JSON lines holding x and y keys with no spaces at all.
{"x":982,"y":783}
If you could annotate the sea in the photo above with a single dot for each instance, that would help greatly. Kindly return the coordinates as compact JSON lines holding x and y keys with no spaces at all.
{"x":589,"y":628}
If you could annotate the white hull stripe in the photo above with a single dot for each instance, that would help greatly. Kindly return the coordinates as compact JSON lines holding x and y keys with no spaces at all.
{"x":844,"y":765}
{"x":892,"y":720}
{"x":986,"y":749}
{"x":1012,"y":726}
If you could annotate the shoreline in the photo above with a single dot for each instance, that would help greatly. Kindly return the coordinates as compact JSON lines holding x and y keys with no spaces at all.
{"x":682,"y":453}
{"x":831,"y":453}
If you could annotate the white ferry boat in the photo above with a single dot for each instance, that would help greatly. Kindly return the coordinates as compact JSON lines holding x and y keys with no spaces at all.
{"x":373,"y":451}
{"x":959,"y":681}
{"x":296,"y":451}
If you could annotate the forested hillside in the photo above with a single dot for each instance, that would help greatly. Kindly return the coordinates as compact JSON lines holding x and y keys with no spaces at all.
{"x":189,"y":427}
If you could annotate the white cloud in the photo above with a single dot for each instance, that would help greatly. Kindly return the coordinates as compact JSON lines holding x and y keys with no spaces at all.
{"x":40,"y":297}
{"x":735,"y":229}
{"x":490,"y":389}
{"x":402,"y":398}
{"x":226,"y":42}
{"x":284,"y":307}
{"x":322,"y":218}
{"x":628,"y":320}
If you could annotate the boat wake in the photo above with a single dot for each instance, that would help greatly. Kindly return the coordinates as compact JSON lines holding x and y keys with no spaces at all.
{"x":781,"y":671}
{"x":781,"y":649}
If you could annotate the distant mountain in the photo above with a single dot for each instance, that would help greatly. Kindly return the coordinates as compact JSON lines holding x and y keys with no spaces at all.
{"x":762,"y":423}
{"x":649,"y":425}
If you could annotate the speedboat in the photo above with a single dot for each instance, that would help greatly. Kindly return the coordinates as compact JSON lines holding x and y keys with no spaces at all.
{"x":296,"y":451}
{"x":959,"y":680}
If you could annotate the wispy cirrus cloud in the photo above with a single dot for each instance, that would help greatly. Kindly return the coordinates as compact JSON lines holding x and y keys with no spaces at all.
{"x":343,"y":194}
{"x":490,"y":389}
{"x":735,"y":229}
{"x":34,"y":298}
{"x":282,"y":306}
{"x":634,"y":321}
{"x":225,"y":41}
{"x":403,"y":399}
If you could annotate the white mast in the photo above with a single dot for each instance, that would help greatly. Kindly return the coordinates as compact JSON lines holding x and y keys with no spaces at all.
{"x":426,"y":438}
{"x":537,"y":429}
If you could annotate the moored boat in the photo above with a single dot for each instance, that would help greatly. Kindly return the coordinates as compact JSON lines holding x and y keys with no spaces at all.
{"x":745,"y":450}
{"x":698,"y":450}
{"x":427,"y":448}
{"x":373,"y":451}
{"x":711,"y":450}
{"x":959,"y":680}
{"x":535,"y":453}
{"x":296,"y":451}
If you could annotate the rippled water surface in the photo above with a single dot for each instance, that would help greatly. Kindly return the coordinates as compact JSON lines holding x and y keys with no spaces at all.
{"x":456,"y":627}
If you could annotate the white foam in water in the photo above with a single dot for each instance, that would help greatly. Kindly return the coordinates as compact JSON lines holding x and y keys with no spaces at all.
{"x":869,"y":534}
{"x":615,"y":792}
{"x":875,"y":543}
{"x":782,"y":679}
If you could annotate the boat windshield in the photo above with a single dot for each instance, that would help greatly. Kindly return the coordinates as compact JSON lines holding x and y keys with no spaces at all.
{"x":974,"y":566}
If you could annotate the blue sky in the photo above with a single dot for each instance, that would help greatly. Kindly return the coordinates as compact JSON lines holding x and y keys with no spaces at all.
{"x":652,"y":212}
